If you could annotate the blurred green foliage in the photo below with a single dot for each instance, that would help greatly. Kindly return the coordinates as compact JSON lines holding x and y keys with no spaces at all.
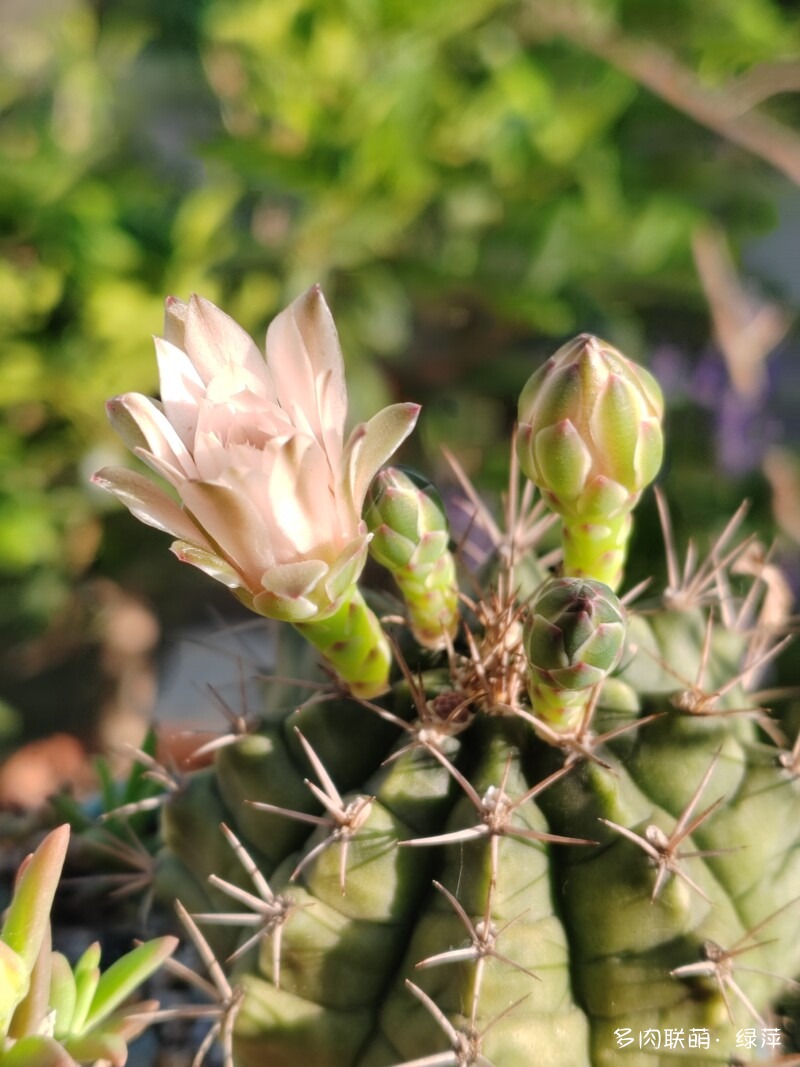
{"x":467,"y":186}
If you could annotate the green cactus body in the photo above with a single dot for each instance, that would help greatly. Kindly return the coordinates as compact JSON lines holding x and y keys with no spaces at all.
{"x":582,"y":918}
{"x":515,"y":892}
{"x":625,"y":944}
{"x":344,"y":940}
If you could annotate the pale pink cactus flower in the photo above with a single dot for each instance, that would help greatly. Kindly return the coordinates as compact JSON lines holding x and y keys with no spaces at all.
{"x":270,"y":493}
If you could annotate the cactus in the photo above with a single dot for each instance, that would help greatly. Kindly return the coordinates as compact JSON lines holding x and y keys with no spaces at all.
{"x":567,"y":838}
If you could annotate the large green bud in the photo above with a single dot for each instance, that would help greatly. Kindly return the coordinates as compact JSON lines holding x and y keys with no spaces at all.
{"x":574,"y":637}
{"x":410,"y":537}
{"x":590,"y":439}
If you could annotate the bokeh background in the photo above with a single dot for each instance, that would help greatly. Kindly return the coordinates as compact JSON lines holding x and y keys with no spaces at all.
{"x":472,"y":182}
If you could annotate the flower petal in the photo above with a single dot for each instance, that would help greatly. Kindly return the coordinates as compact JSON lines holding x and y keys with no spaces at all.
{"x":348,"y":567}
{"x":287,"y":588}
{"x":181,"y":389}
{"x":299,"y":495}
{"x":372,"y":443}
{"x":233,"y":381}
{"x":162,"y":467}
{"x":306,"y":365}
{"x":208,"y":562}
{"x":213,"y":339}
{"x":284,"y":609}
{"x":148,"y":503}
{"x":141,"y":423}
{"x":175,"y":321}
{"x":318,"y":330}
{"x":232,"y":523}
{"x":294,"y":579}
{"x":125,"y":424}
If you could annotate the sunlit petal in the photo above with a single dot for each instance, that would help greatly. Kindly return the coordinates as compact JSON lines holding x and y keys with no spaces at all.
{"x":233,"y":524}
{"x":382,"y":436}
{"x":181,"y":389}
{"x":140,"y":422}
{"x":149,"y":503}
{"x":208,"y":562}
{"x":307,"y":368}
{"x":213,"y":339}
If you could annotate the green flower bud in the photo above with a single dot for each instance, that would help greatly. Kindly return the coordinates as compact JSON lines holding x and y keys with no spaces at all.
{"x":590,"y":430}
{"x":573,"y":638}
{"x":590,"y":439}
{"x":407,"y":520}
{"x":405,"y":515}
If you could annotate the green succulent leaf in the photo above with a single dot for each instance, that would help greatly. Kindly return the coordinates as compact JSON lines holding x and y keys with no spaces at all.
{"x":14,"y":980}
{"x":28,"y":915}
{"x":87,"y":977}
{"x":126,"y":975}
{"x":104,"y":1047}
{"x":63,"y":993}
{"x":37,"y":1052}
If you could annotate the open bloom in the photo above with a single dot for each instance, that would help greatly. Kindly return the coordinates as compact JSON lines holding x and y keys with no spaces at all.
{"x":270,"y":494}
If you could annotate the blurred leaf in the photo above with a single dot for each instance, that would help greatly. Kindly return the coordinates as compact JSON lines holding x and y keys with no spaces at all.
{"x":63,"y":993}
{"x":28,"y":915}
{"x":37,"y":1052}
{"x":126,"y":975}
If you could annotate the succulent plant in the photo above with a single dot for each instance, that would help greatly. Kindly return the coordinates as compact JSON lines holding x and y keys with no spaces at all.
{"x":53,"y":1014}
{"x":569,"y":838}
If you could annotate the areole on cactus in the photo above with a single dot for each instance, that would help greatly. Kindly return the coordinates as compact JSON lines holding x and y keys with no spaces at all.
{"x":562,"y":837}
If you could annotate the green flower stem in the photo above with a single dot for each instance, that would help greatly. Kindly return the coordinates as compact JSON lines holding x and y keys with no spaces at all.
{"x":431,"y":597}
{"x":596,"y":547}
{"x":355,"y":646}
{"x":563,"y":709}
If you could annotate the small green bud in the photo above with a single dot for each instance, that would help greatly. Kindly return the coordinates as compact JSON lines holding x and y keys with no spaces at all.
{"x":573,"y":638}
{"x":410,"y":534}
{"x":590,"y":430}
{"x":402,"y":511}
